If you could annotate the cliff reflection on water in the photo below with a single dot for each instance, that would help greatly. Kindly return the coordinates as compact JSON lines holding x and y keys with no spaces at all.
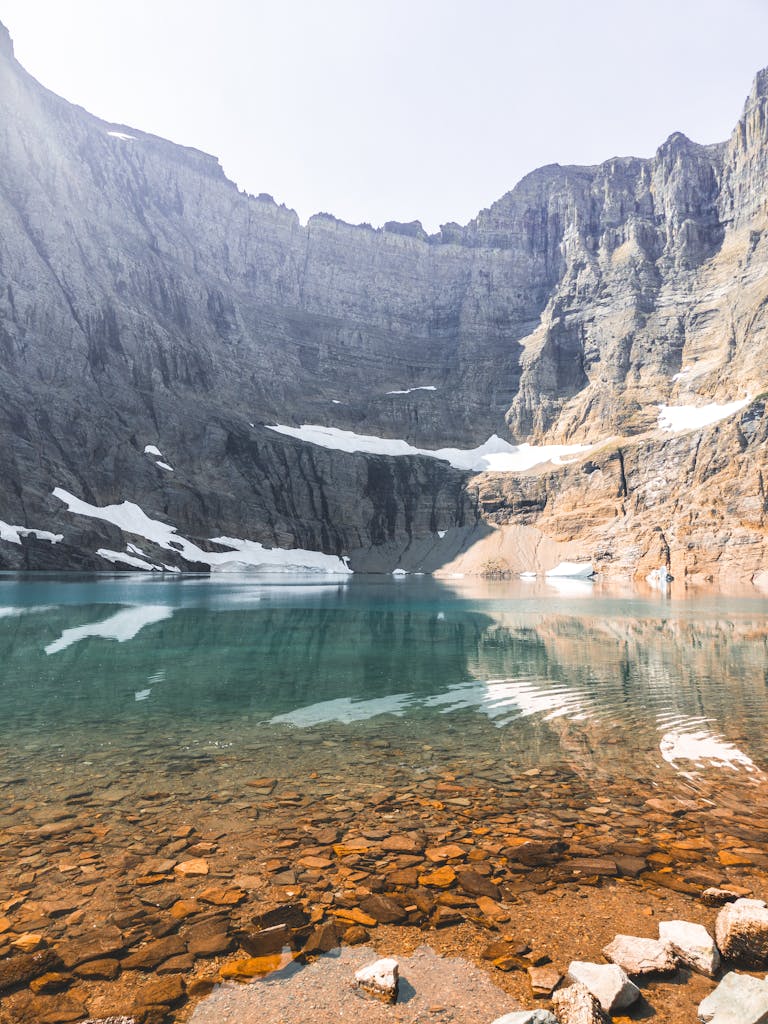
{"x":612,"y":683}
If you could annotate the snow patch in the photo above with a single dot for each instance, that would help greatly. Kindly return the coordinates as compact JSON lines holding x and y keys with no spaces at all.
{"x":151,"y":449}
{"x":422,"y":387}
{"x":495,"y":455}
{"x":690,"y":417}
{"x":571,"y":570}
{"x":119,"y":557}
{"x":250,"y":555}
{"x":122,"y":626}
{"x":441,"y":533}
{"x":164,"y":465}
{"x":399,"y":572}
{"x":122,"y":135}
{"x":13,"y":534}
{"x":142,"y":694}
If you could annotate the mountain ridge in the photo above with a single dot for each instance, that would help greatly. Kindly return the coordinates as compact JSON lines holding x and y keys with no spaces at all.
{"x":146,"y":300}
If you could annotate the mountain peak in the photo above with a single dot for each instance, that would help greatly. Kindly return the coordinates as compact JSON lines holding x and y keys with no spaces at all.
{"x":759,"y":86}
{"x":6,"y":43}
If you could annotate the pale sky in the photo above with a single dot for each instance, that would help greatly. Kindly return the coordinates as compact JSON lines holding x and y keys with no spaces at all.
{"x":379,"y":110}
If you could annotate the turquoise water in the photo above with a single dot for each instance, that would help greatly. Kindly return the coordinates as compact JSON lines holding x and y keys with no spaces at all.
{"x":616,"y":682}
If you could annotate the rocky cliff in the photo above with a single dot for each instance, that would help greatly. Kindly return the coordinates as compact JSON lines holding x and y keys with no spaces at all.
{"x":146,"y":301}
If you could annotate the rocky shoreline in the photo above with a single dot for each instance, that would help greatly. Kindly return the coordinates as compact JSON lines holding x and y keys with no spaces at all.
{"x":136,"y":897}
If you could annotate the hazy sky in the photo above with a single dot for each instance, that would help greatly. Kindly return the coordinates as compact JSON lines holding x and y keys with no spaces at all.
{"x":399,"y":109}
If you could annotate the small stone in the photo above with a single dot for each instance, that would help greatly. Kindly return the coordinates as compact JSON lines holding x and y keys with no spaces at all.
{"x":48,"y":983}
{"x":21,"y":969}
{"x":402,"y":844}
{"x":324,"y":938}
{"x":184,"y":908}
{"x":355,"y":936}
{"x":154,"y":953}
{"x":741,"y":932}
{"x":209,"y":945}
{"x":265,"y":940}
{"x":95,"y":945}
{"x":441,"y":878}
{"x":28,"y":942}
{"x":162,"y":991}
{"x":715,"y":897}
{"x":492,"y":910}
{"x":110,"y":1020}
{"x":99,"y":970}
{"x":477,"y":885}
{"x":254,"y":967}
{"x":544,"y":980}
{"x":315,"y":863}
{"x":220,"y":897}
{"x":354,"y":916}
{"x":527,"y":1017}
{"x":738,"y":999}
{"x":383,"y":909}
{"x":641,"y":956}
{"x":177,"y":964}
{"x":379,"y":979}
{"x":577,"y":1005}
{"x":693,"y":945}
{"x":439,"y":854}
{"x":607,"y":982}
{"x":57,"y":1009}
{"x":193,"y":867}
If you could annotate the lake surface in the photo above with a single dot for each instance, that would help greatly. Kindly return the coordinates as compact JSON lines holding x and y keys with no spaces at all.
{"x":286,"y":732}
{"x":648,"y":686}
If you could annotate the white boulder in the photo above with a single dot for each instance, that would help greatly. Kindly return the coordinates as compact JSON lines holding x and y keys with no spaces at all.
{"x":693,"y":944}
{"x":527,"y":1017}
{"x":577,"y":1005}
{"x":608,"y":983}
{"x":641,"y":956}
{"x":379,"y":979}
{"x":741,"y":932}
{"x":738,"y":999}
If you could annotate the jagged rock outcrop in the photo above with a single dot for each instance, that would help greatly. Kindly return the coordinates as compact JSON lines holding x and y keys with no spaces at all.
{"x":145,"y":300}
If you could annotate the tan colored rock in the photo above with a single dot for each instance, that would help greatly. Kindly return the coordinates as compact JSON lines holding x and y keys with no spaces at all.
{"x":192,"y":868}
{"x":638,"y":956}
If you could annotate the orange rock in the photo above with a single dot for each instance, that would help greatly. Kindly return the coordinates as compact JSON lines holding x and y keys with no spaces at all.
{"x":345,"y":850}
{"x":254,"y":966}
{"x":221,"y":897}
{"x":733,"y":860}
{"x":28,"y":942}
{"x":184,"y":908}
{"x":441,"y":878}
{"x":437,"y":854}
{"x":196,"y":866}
{"x":356,"y":916}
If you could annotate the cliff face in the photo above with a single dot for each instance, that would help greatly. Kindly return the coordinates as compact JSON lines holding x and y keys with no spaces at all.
{"x":145,"y":300}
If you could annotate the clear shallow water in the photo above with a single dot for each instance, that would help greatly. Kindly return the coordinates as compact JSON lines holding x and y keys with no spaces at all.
{"x":636,"y":685}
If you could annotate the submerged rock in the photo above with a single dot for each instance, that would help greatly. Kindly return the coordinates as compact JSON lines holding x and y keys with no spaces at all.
{"x":641,"y":956}
{"x":693,"y":944}
{"x":379,"y":979}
